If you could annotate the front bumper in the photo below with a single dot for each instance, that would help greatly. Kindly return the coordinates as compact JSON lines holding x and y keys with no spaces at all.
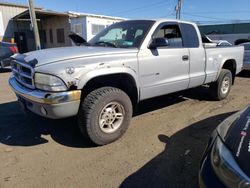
{"x":54,"y":105}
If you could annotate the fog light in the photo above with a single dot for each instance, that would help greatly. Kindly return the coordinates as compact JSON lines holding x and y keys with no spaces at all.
{"x":44,"y":111}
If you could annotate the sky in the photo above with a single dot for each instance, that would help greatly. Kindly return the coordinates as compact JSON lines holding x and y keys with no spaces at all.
{"x":209,"y":11}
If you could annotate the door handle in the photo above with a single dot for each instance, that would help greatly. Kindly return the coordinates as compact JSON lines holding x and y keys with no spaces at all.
{"x":185,"y":58}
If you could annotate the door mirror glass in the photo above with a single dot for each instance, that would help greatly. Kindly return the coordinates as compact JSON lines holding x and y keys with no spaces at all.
{"x":158,"y":42}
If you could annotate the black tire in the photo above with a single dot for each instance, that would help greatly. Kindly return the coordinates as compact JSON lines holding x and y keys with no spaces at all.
{"x":91,"y":109}
{"x":216,"y":87}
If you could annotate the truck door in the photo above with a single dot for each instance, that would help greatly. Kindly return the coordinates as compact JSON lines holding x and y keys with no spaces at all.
{"x":165,"y":69}
{"x":192,"y":41}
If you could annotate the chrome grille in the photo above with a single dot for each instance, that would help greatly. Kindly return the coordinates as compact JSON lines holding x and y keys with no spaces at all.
{"x":23,"y":73}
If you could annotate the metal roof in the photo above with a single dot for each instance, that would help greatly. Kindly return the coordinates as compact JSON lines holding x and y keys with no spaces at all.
{"x":40,"y":14}
{"x":82,"y":14}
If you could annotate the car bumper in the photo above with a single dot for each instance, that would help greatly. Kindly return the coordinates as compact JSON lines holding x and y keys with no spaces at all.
{"x":54,"y":105}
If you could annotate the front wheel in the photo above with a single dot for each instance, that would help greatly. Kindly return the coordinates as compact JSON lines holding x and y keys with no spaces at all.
{"x":105,"y":114}
{"x":221,"y":88}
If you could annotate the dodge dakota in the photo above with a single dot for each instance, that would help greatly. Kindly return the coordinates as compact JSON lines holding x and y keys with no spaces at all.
{"x":102,"y":80}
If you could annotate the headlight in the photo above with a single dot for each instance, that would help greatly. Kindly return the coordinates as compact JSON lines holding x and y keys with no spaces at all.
{"x":226,"y":167}
{"x":223,"y":128}
{"x":49,"y":83}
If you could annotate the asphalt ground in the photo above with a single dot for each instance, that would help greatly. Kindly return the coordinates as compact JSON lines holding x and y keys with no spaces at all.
{"x":162,"y":147}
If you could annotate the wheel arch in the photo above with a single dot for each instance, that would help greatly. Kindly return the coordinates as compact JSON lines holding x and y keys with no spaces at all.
{"x":124,"y":80}
{"x":231,"y":65}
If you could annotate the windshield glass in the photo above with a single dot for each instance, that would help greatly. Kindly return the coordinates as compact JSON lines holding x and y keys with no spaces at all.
{"x":125,"y":34}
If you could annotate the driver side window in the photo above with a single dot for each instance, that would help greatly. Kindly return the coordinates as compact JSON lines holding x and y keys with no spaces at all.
{"x":171,"y":33}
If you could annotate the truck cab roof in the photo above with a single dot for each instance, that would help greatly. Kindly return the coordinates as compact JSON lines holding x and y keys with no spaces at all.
{"x":161,"y":20}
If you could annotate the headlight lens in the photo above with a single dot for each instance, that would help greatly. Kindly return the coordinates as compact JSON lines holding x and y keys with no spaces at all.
{"x":49,"y":83}
{"x":222,"y":129}
{"x":226,"y":167}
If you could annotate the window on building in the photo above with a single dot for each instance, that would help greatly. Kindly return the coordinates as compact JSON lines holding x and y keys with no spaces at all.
{"x":97,"y":28}
{"x":43,"y":36}
{"x":60,"y":36}
{"x":77,"y":28}
{"x":51,"y":36}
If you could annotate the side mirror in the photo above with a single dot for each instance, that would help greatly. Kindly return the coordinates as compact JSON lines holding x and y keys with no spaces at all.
{"x":158,"y":42}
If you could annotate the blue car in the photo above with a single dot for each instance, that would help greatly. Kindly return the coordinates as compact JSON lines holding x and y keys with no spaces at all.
{"x":226,"y":159}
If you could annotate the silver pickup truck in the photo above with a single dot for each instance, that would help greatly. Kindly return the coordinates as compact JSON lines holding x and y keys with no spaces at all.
{"x":102,"y":80}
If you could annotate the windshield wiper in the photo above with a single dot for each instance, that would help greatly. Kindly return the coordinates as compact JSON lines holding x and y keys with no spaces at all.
{"x":106,"y":43}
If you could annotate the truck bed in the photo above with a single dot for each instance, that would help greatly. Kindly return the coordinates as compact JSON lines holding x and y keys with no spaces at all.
{"x":217,"y":55}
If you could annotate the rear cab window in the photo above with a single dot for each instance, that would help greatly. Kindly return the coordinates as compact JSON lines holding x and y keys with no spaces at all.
{"x":189,"y":35}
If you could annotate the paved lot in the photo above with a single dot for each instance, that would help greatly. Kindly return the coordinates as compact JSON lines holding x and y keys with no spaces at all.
{"x":162,"y":147}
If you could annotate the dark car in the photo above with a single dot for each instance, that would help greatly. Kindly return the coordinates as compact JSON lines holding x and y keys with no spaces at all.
{"x":226,"y":160}
{"x":6,"y":51}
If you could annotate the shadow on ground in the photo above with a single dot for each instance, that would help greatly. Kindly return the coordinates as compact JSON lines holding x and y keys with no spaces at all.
{"x":178,"y":164}
{"x":200,"y":94}
{"x":17,"y":129}
{"x":244,"y":74}
{"x":4,"y":70}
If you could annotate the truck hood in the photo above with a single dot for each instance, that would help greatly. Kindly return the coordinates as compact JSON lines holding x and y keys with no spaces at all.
{"x":52,"y":55}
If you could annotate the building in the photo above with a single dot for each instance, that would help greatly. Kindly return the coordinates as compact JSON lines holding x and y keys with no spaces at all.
{"x":229,"y":32}
{"x":53,"y":27}
{"x":88,"y":25}
{"x":7,"y":26}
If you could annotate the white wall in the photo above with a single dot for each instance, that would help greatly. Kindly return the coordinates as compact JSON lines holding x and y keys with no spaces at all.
{"x":97,"y":21}
{"x":8,"y":12}
{"x":87,"y":22}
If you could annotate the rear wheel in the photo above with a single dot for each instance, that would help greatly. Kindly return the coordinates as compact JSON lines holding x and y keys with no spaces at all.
{"x":104,"y":115}
{"x":221,"y":88}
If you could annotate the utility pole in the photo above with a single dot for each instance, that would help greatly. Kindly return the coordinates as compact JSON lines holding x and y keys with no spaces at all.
{"x":178,"y":8}
{"x":34,"y":24}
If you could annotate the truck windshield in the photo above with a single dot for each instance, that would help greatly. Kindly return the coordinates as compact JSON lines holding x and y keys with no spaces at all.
{"x":127,"y":34}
